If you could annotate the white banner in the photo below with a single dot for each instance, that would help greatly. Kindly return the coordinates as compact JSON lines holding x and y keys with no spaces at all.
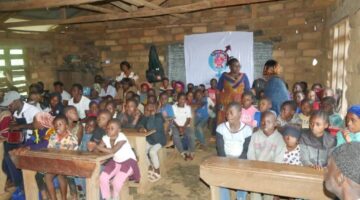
{"x":206,"y":55}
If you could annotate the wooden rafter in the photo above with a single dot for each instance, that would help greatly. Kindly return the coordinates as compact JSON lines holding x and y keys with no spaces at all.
{"x":202,"y":5}
{"x":95,"y":8}
{"x":152,"y":6}
{"x":124,"y":6}
{"x":35,"y":4}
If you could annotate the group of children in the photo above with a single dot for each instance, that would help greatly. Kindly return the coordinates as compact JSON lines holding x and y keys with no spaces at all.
{"x":304,"y":133}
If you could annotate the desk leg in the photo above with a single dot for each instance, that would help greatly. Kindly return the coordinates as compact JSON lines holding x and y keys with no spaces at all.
{"x":215,"y":192}
{"x":30,"y":187}
{"x":93,"y":184}
{"x":163,"y":158}
{"x":2,"y":174}
{"x":140,"y":143}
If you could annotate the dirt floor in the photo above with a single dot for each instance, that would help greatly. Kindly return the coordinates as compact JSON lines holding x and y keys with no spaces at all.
{"x":182,"y":181}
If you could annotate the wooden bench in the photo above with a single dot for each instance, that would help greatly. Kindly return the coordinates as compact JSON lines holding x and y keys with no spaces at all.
{"x":137,"y":141}
{"x":262,"y":177}
{"x":71,"y":163}
{"x":2,"y":174}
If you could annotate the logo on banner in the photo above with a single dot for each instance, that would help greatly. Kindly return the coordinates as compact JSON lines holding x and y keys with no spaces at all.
{"x":218,"y":60}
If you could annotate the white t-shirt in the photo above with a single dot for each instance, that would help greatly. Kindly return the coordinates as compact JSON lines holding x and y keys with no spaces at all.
{"x":132,"y":75}
{"x":110,"y":90}
{"x":81,"y":107}
{"x":28,"y":112}
{"x":181,"y":114}
{"x":124,"y":153}
{"x":65,"y":96}
{"x":234,"y":142}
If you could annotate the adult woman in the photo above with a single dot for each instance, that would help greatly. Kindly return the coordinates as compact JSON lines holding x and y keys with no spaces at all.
{"x":231,"y":86}
{"x":126,"y":72}
{"x":275,"y":88}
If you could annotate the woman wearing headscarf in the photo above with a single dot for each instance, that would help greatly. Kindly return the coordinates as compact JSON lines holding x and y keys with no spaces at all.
{"x":275,"y":88}
{"x":352,"y":131}
{"x":231,"y":86}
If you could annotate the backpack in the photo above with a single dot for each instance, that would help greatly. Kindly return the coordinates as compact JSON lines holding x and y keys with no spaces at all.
{"x":155,"y":72}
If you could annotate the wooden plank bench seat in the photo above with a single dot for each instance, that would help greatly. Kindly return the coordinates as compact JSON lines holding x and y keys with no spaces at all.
{"x":262,"y":177}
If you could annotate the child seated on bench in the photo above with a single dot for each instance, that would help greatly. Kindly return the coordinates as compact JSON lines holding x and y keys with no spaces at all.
{"x":232,"y":140}
{"x":123,"y":164}
{"x":352,"y":133}
{"x":63,"y":139}
{"x":153,"y":121}
{"x":267,"y":145}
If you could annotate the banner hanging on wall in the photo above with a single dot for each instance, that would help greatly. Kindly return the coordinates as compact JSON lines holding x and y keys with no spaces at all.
{"x":206,"y":55}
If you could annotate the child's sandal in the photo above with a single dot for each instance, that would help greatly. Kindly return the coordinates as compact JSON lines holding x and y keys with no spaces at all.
{"x":155,"y":177}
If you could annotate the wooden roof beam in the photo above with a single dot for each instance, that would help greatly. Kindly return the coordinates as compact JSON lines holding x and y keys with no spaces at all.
{"x":154,"y":7}
{"x":124,"y":6}
{"x":202,"y":5}
{"x":35,"y":4}
{"x":95,"y":8}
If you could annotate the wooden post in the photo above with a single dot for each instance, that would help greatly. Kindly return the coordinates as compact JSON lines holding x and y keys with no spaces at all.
{"x":2,"y":174}
{"x":162,"y":158}
{"x":31,"y":189}
{"x":215,"y":192}
{"x":93,"y":184}
{"x":140,"y":146}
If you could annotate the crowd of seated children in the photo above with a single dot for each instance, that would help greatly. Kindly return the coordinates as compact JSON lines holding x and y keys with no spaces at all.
{"x":303,"y":133}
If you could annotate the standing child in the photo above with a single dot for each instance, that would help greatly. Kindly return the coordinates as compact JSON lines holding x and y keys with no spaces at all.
{"x":264,"y":105}
{"x":201,"y":116}
{"x":153,"y":121}
{"x":291,"y":137}
{"x":267,"y":145}
{"x":63,"y":139}
{"x":232,"y":140}
{"x":123,"y":164}
{"x":212,"y":91}
{"x":305,"y":113}
{"x":315,"y":143}
{"x":248,"y":110}
{"x":181,"y":127}
{"x":352,"y":133}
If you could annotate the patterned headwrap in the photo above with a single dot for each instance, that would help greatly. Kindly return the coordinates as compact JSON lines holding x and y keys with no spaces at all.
{"x":355,"y":109}
{"x":180,"y":84}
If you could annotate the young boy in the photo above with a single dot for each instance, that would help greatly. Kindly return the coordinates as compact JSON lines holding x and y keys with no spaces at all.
{"x":328,"y":105}
{"x":266,"y":144}
{"x":131,"y":115}
{"x":305,"y":113}
{"x":153,"y":121}
{"x":264,"y":105}
{"x":287,"y":115}
{"x":291,"y":137}
{"x":102,"y":120}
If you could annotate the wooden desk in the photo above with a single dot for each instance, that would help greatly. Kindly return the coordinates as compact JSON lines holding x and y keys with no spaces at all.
{"x":71,"y":163}
{"x":3,"y":176}
{"x":262,"y":177}
{"x":137,"y":141}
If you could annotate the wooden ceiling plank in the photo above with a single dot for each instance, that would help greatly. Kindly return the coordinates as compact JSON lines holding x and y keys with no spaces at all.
{"x":95,"y":8}
{"x":134,"y":2}
{"x":192,"y":7}
{"x":154,"y":7}
{"x":124,"y":6}
{"x":35,"y":4}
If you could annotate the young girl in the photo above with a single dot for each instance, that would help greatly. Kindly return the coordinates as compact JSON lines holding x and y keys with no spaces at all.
{"x":212,"y":91}
{"x":201,"y":116}
{"x":248,"y":110}
{"x":153,"y":121}
{"x":328,"y":105}
{"x":314,"y":100}
{"x":291,"y":137}
{"x":304,"y":116}
{"x":74,"y":123}
{"x":130,"y":116}
{"x":63,"y":139}
{"x":123,"y":164}
{"x":232,"y":140}
{"x":56,"y":107}
{"x":144,"y":88}
{"x":181,"y":126}
{"x":111,"y":107}
{"x":352,"y":133}
{"x":93,"y":109}
{"x":316,"y":143}
{"x":298,"y":97}
{"x":287,"y":115}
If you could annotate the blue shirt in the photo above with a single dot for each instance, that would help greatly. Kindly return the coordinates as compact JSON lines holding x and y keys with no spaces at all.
{"x":167,"y":108}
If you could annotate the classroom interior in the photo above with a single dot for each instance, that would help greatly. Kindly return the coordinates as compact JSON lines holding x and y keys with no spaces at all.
{"x":314,"y":40}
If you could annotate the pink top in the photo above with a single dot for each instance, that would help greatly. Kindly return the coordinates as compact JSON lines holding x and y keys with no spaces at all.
{"x":247,"y":116}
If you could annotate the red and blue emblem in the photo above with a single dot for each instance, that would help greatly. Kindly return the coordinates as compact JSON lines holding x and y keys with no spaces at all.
{"x":218,"y":60}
